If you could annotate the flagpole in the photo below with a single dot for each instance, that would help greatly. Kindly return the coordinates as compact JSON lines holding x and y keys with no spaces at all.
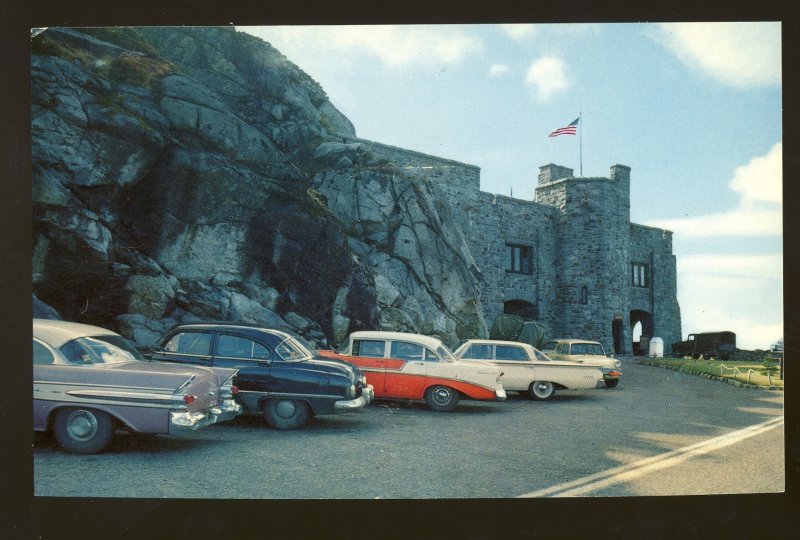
{"x":580,"y":138}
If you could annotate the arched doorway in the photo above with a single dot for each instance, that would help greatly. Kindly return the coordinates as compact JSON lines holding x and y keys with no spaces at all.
{"x":616,"y":333}
{"x":641,"y":331}
{"x":521,"y":308}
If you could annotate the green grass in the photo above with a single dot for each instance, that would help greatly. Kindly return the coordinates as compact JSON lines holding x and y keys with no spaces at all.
{"x":723,"y":369}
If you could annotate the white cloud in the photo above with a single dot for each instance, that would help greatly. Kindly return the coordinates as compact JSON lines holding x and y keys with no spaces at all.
{"x":740,"y":54}
{"x":519,"y":32}
{"x":761,"y":179}
{"x":759,"y":212}
{"x":547,"y":75}
{"x":498,"y":70}
{"x":394,"y":46}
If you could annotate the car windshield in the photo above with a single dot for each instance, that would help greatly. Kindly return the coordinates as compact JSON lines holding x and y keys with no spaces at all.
{"x":540,"y":356}
{"x":588,"y":348}
{"x":99,"y":350}
{"x":290,"y":349}
{"x":305,"y":343}
{"x":444,"y":354}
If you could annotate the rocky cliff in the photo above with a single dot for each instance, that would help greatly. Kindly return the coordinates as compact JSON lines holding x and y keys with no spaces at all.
{"x":195,"y":173}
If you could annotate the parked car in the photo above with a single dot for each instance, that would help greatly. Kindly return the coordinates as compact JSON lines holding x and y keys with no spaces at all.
{"x":590,"y":353}
{"x":527,"y":369}
{"x":89,"y":381}
{"x":413,"y":366}
{"x":280,"y":376}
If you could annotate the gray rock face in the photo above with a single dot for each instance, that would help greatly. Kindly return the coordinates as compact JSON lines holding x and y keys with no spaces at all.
{"x":196,"y":173}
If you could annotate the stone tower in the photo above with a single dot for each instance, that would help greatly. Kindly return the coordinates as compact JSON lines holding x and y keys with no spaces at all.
{"x":592,"y":259}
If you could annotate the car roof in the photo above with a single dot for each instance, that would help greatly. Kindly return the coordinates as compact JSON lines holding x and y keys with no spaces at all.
{"x":56,"y":333}
{"x":573,"y":341}
{"x":229,"y":325}
{"x":427,"y":341}
{"x":500,"y":342}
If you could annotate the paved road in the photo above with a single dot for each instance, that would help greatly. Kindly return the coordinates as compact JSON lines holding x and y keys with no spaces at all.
{"x":400,"y":450}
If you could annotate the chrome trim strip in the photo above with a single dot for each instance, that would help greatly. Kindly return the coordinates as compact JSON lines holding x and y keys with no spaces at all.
{"x":117,"y":394}
{"x":138,"y":388}
{"x":69,"y":399}
{"x":289,"y":394}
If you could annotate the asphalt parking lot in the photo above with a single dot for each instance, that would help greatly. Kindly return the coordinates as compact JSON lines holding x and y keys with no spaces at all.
{"x":401,"y":450}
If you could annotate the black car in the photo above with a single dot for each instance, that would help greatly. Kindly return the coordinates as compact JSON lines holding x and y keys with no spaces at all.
{"x":279,"y":374}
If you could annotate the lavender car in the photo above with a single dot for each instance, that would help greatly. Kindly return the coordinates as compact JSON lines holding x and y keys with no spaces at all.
{"x":88,"y":382}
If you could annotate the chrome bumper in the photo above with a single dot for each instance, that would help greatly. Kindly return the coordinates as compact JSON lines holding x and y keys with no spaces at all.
{"x":500,"y":392}
{"x":357,"y":404}
{"x":183,"y":421}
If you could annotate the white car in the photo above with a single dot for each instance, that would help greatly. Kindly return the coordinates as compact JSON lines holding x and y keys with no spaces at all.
{"x":589,"y":353}
{"x":412,"y":366}
{"x":527,"y":369}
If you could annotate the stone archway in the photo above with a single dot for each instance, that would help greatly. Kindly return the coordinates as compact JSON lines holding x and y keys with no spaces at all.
{"x":521,"y":308}
{"x":645,"y":321}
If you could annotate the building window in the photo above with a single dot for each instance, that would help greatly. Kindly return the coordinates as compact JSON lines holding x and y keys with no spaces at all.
{"x":519,"y":259}
{"x":640,"y":275}
{"x":584,"y":295}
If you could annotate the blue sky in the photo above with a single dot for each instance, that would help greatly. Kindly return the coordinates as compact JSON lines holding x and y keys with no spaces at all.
{"x":693,"y":108}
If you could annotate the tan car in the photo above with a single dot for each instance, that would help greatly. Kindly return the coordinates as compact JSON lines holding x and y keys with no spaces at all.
{"x":528,"y":370}
{"x":590,"y":353}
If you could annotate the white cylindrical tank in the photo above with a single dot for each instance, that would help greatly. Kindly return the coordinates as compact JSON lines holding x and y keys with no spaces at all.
{"x":657,"y":347}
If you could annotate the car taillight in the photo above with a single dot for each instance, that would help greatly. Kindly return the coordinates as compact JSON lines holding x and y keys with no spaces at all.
{"x":189,"y":399}
{"x":614,"y":373}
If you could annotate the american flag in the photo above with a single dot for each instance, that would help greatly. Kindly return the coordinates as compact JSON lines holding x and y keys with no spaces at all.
{"x":571,"y":129}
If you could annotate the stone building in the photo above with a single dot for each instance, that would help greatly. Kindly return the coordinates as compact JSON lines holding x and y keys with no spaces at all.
{"x":569,"y":258}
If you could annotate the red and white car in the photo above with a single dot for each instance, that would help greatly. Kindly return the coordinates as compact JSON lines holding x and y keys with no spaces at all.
{"x":412,"y":366}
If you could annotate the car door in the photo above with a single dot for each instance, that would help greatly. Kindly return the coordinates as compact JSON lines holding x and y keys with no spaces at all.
{"x":405,"y":370}
{"x":518,"y":370}
{"x":252,"y":359}
{"x":187,"y":347}
{"x":369,"y":355}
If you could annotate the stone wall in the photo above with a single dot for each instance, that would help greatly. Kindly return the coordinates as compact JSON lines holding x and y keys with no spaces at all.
{"x":654,"y":246}
{"x":580,"y":232}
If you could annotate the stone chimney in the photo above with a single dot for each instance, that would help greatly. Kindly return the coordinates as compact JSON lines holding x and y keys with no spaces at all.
{"x":620,"y":172}
{"x":552,"y":172}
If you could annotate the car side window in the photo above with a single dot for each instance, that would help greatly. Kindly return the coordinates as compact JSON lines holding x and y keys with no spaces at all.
{"x":369,"y":348}
{"x":430,"y":356}
{"x":41,"y":354}
{"x":239,"y":347}
{"x":479,"y":352}
{"x":561,"y":348}
{"x":406,"y":351}
{"x":190,"y":343}
{"x":510,"y":352}
{"x":580,"y":348}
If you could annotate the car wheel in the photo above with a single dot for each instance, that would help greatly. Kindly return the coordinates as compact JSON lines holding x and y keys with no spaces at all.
{"x":612,"y":383}
{"x":541,"y":390}
{"x":286,"y":413}
{"x":441,"y":398}
{"x":83,"y":431}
